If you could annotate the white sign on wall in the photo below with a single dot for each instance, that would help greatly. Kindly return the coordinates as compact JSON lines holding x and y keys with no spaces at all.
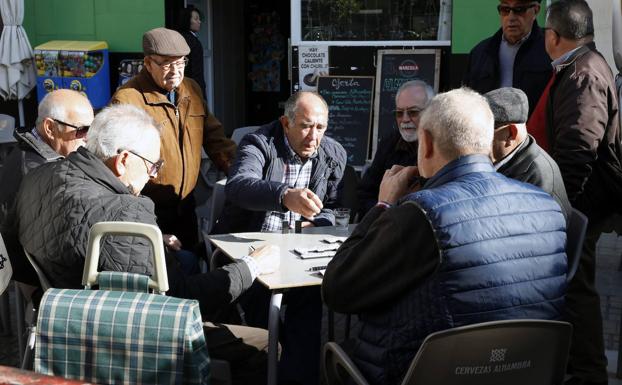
{"x":312,"y":63}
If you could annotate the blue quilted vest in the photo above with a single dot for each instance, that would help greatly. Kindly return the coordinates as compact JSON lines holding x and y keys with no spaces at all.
{"x":501,"y":248}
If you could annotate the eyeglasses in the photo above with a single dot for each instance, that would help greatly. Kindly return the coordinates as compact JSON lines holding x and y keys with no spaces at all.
{"x":153,"y":168}
{"x":177,"y":64}
{"x":413,"y":113}
{"x":80,"y":130}
{"x":505,"y":10}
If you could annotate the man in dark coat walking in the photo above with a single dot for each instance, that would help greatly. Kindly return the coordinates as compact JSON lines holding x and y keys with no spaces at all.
{"x":514,"y":56}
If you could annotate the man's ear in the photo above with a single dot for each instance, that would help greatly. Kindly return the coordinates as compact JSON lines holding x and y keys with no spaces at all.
{"x":512,"y":132}
{"x":536,"y":9}
{"x":428,"y":143}
{"x":48,"y":129}
{"x":284,"y":122}
{"x":118,"y":164}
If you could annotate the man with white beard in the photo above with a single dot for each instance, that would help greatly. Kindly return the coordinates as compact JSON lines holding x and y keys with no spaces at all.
{"x":399,"y":147}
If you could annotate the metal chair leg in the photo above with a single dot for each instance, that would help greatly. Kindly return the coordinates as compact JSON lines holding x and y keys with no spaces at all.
{"x":27,"y":362}
{"x":5,"y":313}
{"x":19,"y":313}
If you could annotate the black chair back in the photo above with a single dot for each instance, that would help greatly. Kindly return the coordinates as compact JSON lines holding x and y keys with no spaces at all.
{"x":515,"y":352}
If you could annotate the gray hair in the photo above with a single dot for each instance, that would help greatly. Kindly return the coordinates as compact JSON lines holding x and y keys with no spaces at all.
{"x":460,"y":122}
{"x":571,"y":19}
{"x":119,"y":127}
{"x":291,"y":105}
{"x":429,"y":91}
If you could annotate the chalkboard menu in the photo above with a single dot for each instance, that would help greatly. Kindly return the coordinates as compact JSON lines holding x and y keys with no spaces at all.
{"x":396,"y":67}
{"x":349,"y":100}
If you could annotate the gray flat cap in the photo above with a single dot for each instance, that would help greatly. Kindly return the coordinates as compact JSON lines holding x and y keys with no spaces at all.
{"x":164,"y":42}
{"x":508,"y":105}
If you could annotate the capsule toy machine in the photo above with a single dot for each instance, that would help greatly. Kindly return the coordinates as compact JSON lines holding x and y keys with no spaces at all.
{"x":82,"y":66}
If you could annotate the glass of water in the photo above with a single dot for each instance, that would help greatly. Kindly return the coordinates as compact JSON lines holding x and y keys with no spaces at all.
{"x":342,"y":218}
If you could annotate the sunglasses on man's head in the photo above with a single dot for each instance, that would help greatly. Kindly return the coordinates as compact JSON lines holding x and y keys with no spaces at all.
{"x":505,"y":10}
{"x":80,"y":130}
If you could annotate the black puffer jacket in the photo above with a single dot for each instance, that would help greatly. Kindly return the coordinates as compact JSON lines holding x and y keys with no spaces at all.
{"x":59,"y":202}
{"x":28,"y":155}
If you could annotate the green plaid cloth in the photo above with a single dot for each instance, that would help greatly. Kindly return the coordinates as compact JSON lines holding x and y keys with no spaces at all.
{"x":117,"y":337}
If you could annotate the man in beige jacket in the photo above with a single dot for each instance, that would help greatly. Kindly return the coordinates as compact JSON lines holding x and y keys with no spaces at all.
{"x":176,"y":104}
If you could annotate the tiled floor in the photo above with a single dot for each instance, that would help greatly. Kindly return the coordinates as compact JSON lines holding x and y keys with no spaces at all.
{"x":609,"y":284}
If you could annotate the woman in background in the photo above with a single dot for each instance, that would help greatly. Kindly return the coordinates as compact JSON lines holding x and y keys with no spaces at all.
{"x":189,"y":25}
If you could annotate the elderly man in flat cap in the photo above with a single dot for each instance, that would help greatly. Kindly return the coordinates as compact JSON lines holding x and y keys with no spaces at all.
{"x":177,"y":105}
{"x":514,"y":56}
{"x":516,"y":153}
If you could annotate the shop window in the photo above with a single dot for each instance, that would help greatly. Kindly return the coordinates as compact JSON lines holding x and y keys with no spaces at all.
{"x":372,"y":20}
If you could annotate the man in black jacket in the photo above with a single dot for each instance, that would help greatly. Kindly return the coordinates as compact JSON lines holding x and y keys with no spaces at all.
{"x":399,"y":147}
{"x":516,"y":153}
{"x":284,"y":172}
{"x":64,"y":117}
{"x":581,"y":124}
{"x":514,"y":56}
{"x":59,"y":202}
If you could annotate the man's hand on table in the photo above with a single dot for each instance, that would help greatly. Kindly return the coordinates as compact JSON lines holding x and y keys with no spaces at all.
{"x":302,"y":201}
{"x":267,"y":257}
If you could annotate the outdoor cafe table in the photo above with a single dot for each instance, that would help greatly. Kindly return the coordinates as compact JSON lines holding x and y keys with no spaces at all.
{"x":293,"y":271}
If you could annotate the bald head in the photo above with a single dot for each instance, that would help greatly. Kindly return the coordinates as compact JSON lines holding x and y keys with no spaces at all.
{"x":305,"y":122}
{"x":63,"y":115}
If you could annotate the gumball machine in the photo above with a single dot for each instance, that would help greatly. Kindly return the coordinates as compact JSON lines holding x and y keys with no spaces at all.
{"x":78,"y":65}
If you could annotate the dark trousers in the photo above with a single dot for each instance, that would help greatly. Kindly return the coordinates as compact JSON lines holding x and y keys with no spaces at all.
{"x":299,"y":333}
{"x":587,"y":358}
{"x":180,"y":219}
{"x":248,"y":363}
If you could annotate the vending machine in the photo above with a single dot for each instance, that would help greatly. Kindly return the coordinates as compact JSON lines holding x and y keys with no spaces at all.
{"x":82,"y":66}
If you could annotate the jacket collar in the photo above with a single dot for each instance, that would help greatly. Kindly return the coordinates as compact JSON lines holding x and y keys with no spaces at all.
{"x":154,"y":95}
{"x":577,"y":53}
{"x":26,"y":138}
{"x":96,"y":170}
{"x":536,"y":32}
{"x":458,"y":167}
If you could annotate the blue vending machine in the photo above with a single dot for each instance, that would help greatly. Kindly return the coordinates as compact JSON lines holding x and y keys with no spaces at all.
{"x":82,"y":66}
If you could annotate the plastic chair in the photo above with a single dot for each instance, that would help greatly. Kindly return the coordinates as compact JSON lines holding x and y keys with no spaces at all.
{"x":239,"y":133}
{"x":577,"y":226}
{"x":513,"y":352}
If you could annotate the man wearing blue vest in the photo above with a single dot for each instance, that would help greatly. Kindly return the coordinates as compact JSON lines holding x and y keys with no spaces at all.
{"x":435,"y":257}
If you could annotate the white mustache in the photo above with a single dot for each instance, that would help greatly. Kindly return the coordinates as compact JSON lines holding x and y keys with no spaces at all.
{"x":408,"y":126}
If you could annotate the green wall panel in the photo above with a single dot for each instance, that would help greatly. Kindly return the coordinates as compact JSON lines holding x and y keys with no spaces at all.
{"x":475,"y":20}
{"x":119,"y":22}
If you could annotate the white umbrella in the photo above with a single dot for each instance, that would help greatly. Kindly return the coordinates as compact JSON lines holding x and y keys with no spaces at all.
{"x":17,"y":71}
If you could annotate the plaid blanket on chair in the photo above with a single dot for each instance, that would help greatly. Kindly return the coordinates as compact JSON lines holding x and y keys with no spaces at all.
{"x":106,"y":336}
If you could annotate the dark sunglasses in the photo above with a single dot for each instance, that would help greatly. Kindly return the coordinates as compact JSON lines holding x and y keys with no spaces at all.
{"x":413,"y":113}
{"x":505,"y":10}
{"x":153,"y":168}
{"x":80,"y":130}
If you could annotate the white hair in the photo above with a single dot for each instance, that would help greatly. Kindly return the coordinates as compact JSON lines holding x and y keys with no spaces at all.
{"x":119,"y":127}
{"x":460,"y":122}
{"x":429,"y":91}
{"x":51,"y":107}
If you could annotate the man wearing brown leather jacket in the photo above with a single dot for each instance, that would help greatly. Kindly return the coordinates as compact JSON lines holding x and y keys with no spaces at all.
{"x":177,"y":105}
